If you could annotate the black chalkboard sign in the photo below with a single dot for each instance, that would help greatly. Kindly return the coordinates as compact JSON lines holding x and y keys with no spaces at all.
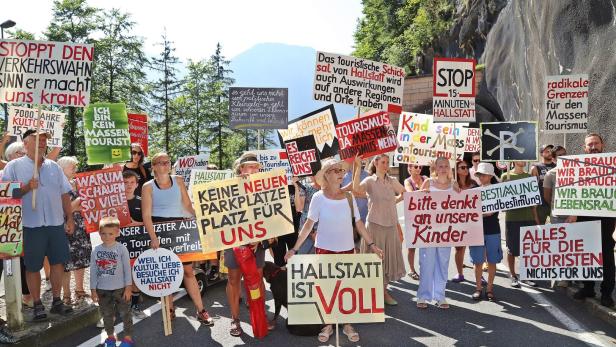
{"x":258,"y":108}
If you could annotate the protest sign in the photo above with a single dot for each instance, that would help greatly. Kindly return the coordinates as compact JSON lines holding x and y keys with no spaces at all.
{"x":258,"y":108}
{"x":421,"y":141}
{"x":566,"y":104}
{"x":473,"y":140}
{"x":443,"y":219}
{"x":158,"y":272}
{"x":358,"y":82}
{"x":180,"y":236}
{"x":11,"y":229}
{"x":239,"y":211}
{"x":510,"y":195}
{"x":199,"y":176}
{"x":509,"y":141}
{"x":138,"y":130}
{"x":335,"y":288}
{"x":102,"y":194}
{"x":303,"y":156}
{"x":367,"y":136}
{"x":22,"y":119}
{"x":184,"y":165}
{"x":454,"y":92}
{"x":271,"y":159}
{"x":321,"y":124}
{"x":106,"y":133}
{"x":562,"y":252}
{"x":45,"y":73}
{"x":585,"y":185}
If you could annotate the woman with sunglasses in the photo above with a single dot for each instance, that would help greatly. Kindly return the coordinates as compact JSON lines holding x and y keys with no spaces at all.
{"x":164,"y":199}
{"x":383,"y":193}
{"x":136,"y":164}
{"x":464,"y":182}
{"x":411,"y":184}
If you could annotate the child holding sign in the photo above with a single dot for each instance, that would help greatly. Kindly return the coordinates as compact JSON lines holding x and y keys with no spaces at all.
{"x":491,"y":250}
{"x":110,"y":281}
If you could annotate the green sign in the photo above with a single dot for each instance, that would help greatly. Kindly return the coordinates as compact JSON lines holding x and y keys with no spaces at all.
{"x":106,"y":133}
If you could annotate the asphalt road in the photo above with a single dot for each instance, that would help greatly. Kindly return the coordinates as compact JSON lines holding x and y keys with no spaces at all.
{"x":519,"y":317}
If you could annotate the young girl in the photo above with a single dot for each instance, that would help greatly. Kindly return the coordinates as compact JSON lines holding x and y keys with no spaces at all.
{"x":434,"y":261}
{"x":411,"y":184}
{"x":464,"y":182}
{"x":491,"y":250}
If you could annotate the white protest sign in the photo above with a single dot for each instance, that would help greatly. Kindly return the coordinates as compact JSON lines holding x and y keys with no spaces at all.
{"x":454,"y":92}
{"x":22,"y":119}
{"x":562,"y":252}
{"x":184,"y":165}
{"x":566,"y":104}
{"x":510,"y":195}
{"x":335,"y":288}
{"x":271,"y":159}
{"x":473,"y":141}
{"x":198,"y":176}
{"x":158,"y":272}
{"x":358,"y":82}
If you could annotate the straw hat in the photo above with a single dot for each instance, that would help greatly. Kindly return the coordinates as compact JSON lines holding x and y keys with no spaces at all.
{"x":327,"y":165}
{"x":486,"y":169}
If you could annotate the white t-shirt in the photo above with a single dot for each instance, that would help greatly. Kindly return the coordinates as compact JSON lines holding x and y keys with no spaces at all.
{"x":335,"y":229}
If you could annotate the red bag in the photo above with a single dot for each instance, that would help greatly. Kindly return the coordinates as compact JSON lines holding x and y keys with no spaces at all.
{"x":252,"y":283}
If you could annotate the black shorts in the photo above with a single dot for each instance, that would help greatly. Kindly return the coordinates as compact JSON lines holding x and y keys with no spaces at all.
{"x":512,"y":236}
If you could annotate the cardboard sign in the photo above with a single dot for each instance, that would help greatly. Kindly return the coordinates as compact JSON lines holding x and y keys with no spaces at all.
{"x":199,"y":176}
{"x":106,"y":133}
{"x":421,"y":141}
{"x":585,"y":185}
{"x":22,"y":119}
{"x":102,"y":194}
{"x":443,"y":219}
{"x":184,"y":165}
{"x":181,"y":237}
{"x":335,"y":288}
{"x":367,"y":136}
{"x":562,"y":252}
{"x":509,"y":141}
{"x":258,"y":108}
{"x":303,"y":156}
{"x":473,"y":140}
{"x":271,"y":159}
{"x":11,"y":229}
{"x":510,"y":195}
{"x":321,"y":124}
{"x":454,"y":93}
{"x":358,"y":82}
{"x":239,"y":211}
{"x":138,"y":130}
{"x":45,"y":73}
{"x":158,"y":272}
{"x":566,"y":104}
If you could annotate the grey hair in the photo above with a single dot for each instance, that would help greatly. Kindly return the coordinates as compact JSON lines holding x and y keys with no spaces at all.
{"x":12,"y":149}
{"x":64,"y":162}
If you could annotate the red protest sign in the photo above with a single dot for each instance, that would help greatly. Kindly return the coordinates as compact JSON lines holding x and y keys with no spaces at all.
{"x":303,"y":156}
{"x":367,"y":136}
{"x":138,"y":130}
{"x":102,"y":194}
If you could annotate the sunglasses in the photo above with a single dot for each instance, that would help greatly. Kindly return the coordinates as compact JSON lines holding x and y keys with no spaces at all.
{"x":415,"y":167}
{"x":336,"y":170}
{"x":166,"y":162}
{"x":475,"y":160}
{"x":136,"y":153}
{"x":462,"y":167}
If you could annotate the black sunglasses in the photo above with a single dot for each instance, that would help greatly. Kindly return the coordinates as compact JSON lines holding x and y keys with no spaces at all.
{"x":136,"y":153}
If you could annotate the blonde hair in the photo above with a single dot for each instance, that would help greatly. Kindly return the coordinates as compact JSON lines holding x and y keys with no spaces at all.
{"x":64,"y":162}
{"x":109,"y":222}
{"x":155,"y":157}
{"x":449,"y":173}
{"x":372,"y":165}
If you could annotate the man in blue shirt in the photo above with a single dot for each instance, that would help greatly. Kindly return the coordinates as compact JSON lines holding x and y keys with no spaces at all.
{"x":44,"y":227}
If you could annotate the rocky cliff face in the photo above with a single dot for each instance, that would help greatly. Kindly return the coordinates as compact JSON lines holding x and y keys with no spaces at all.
{"x":535,"y":38}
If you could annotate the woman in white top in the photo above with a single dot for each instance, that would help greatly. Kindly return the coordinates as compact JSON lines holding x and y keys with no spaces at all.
{"x":331,"y":209}
{"x":434,"y":261}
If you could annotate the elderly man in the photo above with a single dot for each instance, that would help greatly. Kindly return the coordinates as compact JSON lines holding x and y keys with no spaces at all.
{"x":44,"y":227}
{"x":593,"y":143}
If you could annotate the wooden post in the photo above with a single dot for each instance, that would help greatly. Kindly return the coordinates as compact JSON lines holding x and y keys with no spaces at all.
{"x":12,"y":293}
{"x":165,"y":304}
{"x":35,"y":174}
{"x":455,"y":155}
{"x":338,"y":332}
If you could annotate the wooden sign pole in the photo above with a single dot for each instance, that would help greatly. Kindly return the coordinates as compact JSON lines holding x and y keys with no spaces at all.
{"x":35,"y":174}
{"x":165,"y":305}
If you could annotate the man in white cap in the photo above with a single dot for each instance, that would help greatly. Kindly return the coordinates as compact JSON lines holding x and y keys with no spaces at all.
{"x":44,"y":227}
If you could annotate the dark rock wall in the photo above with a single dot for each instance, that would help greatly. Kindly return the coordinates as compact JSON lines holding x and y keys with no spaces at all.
{"x":535,"y":38}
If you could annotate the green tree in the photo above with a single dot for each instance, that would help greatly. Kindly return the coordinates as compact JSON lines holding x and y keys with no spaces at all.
{"x":72,"y":21}
{"x":20,"y":34}
{"x":119,"y":64}
{"x":199,"y":101}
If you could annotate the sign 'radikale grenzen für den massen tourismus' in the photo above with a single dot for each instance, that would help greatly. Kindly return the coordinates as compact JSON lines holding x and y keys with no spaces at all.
{"x":566,"y":104}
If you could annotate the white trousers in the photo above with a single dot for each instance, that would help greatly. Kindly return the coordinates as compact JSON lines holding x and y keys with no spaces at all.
{"x":433,"y":270}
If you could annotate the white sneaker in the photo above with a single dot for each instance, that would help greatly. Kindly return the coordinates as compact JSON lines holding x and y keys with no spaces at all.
{"x":138,"y":313}
{"x":47,"y":285}
{"x":101,"y":324}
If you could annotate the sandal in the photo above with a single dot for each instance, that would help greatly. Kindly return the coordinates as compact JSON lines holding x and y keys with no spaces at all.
{"x":422,"y":304}
{"x":477,"y":294}
{"x":442,"y":304}
{"x":81,"y":294}
{"x":325,"y":333}
{"x":67,"y":300}
{"x":351,"y":334}
{"x":414,"y":275}
{"x":236,"y":328}
{"x":490,"y":296}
